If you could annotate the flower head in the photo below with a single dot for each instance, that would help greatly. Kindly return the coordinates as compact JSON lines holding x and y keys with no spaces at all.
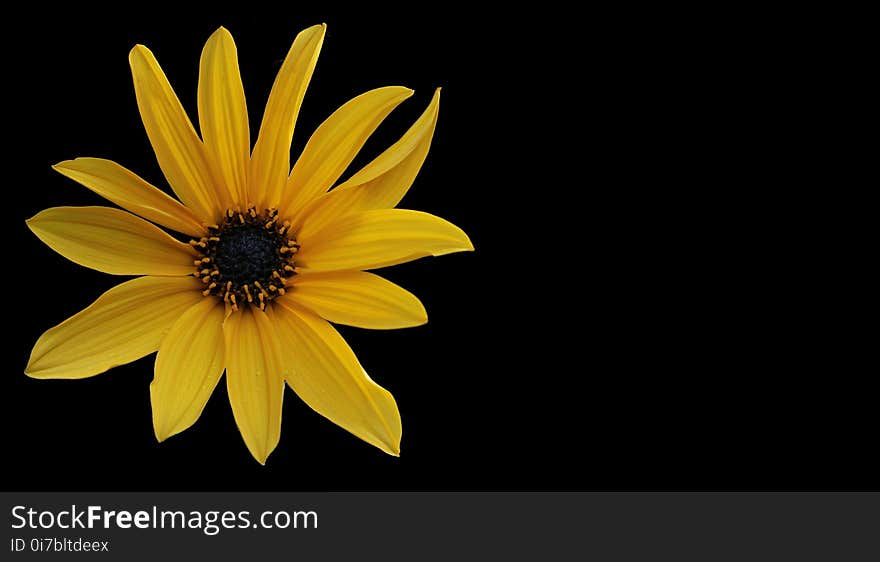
{"x":274,"y":254}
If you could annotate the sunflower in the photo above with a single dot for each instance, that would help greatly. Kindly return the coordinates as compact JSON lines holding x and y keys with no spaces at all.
{"x":274,"y":254}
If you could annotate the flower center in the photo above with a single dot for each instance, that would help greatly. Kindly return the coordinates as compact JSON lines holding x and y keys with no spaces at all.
{"x":247,"y":259}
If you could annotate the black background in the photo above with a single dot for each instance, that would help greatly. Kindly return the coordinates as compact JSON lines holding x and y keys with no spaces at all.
{"x":640,"y":313}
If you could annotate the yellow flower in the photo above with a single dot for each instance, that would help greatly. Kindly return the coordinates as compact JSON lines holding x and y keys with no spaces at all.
{"x":275,"y":255}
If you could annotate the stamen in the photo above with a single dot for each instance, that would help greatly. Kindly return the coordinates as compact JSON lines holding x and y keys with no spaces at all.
{"x":247,"y":258}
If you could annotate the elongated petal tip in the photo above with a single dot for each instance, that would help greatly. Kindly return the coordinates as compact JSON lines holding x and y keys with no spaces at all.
{"x":464,"y":243}
{"x":260,"y":456}
{"x":33,"y":222}
{"x":261,"y":452}
{"x":463,"y":239}
{"x":138,"y":51}
{"x":322,"y":27}
{"x":470,"y":245}
{"x":162,"y":433}
{"x":29,"y":369}
{"x":319,"y":29}
{"x":33,"y":370}
{"x":420,"y":315}
{"x":35,"y":373}
{"x":63,"y":165}
{"x":389,"y":444}
{"x":39,"y":370}
{"x":69,"y":165}
{"x":221,"y":33}
{"x":422,"y":318}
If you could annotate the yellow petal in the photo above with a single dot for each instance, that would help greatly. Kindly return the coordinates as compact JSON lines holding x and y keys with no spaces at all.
{"x":335,"y":144}
{"x":329,"y":378}
{"x":177,"y":146}
{"x":382,"y":183}
{"x":114,"y":183}
{"x":270,"y":163}
{"x":380,"y":238}
{"x":357,"y":298}
{"x":223,"y":117}
{"x":124,"y":324}
{"x":188,"y":367}
{"x":254,"y":379}
{"x":112,"y":241}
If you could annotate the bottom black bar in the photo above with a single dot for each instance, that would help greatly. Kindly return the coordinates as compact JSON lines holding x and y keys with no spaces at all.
{"x":452,"y":526}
